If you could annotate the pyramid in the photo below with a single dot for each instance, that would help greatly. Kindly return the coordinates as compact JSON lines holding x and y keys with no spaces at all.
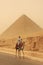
{"x":23,"y":26}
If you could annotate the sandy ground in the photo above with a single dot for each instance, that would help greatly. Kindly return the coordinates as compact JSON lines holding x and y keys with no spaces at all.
{"x":27,"y":54}
{"x":9,"y":59}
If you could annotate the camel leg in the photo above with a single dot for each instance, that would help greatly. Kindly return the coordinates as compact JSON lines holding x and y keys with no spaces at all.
{"x":19,"y":53}
{"x":16,"y":52}
{"x":23,"y":53}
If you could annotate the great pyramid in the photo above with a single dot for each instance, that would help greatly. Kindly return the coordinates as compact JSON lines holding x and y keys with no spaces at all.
{"x":24,"y":26}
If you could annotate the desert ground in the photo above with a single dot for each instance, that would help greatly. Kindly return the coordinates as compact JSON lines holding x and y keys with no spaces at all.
{"x":9,"y":59}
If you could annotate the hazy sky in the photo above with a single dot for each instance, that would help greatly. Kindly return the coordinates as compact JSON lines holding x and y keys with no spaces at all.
{"x":10,"y":10}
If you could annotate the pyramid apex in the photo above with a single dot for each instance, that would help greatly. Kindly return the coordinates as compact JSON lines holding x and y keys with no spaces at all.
{"x":23,"y":15}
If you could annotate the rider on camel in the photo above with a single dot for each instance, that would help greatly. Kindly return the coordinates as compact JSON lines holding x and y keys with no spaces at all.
{"x":19,"y":40}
